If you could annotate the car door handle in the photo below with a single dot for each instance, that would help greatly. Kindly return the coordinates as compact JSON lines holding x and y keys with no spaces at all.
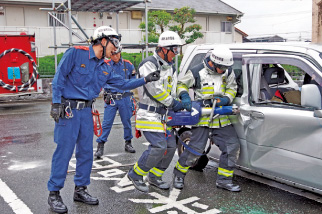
{"x":257,"y":115}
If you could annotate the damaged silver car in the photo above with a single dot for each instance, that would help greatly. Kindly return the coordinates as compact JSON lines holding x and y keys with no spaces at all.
{"x":280,"y":120}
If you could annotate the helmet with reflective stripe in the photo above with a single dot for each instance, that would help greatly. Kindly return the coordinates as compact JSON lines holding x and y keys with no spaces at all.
{"x":169,"y":38}
{"x":221,"y":55}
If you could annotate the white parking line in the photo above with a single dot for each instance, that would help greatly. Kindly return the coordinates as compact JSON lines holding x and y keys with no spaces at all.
{"x":13,"y":201}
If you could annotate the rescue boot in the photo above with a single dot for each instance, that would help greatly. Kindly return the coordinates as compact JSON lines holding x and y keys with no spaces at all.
{"x":81,"y":195}
{"x":100,"y":150}
{"x":139,"y":184}
{"x":158,"y":182}
{"x":56,"y":202}
{"x":228,"y":186}
{"x":128,"y":147}
{"x":178,"y":182}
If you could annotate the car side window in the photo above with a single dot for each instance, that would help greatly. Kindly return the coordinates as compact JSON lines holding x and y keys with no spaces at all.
{"x":196,"y":60}
{"x":281,"y":83}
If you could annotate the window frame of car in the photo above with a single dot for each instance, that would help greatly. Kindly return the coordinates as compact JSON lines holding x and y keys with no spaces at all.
{"x":294,"y":60}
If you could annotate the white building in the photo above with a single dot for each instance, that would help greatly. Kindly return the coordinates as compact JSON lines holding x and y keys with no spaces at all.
{"x":216,"y":18}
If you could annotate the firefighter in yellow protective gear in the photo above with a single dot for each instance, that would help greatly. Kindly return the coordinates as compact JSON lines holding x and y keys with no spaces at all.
{"x":155,"y":99}
{"x":213,"y":79}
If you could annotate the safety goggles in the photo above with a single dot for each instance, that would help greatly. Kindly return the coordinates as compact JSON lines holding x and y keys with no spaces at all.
{"x":175,"y":49}
{"x":115,"y":42}
{"x":223,"y":67}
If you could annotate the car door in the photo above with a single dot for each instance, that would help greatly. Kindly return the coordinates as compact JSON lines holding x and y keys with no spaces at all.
{"x":281,"y":140}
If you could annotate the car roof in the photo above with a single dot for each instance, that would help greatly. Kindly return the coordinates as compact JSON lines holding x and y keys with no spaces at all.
{"x":301,"y":47}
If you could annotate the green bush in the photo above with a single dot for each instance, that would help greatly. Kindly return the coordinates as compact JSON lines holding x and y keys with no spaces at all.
{"x":47,"y":64}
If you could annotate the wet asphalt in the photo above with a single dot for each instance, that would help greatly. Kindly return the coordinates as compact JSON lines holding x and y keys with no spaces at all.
{"x":26,"y":148}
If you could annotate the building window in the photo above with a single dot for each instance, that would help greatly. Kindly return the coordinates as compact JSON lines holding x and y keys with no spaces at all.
{"x":226,"y":27}
{"x":60,"y":16}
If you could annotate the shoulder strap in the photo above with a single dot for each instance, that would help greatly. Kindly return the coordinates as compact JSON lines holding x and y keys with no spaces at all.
{"x":155,"y":62}
{"x":149,"y":59}
{"x":82,"y":48}
{"x":229,"y":71}
{"x":173,"y":68}
{"x":195,"y":72}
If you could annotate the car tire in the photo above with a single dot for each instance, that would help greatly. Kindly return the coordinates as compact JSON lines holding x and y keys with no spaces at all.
{"x":201,"y":162}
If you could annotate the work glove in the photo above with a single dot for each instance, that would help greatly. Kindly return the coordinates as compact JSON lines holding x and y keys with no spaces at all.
{"x":154,"y":76}
{"x":56,"y":111}
{"x":222,"y":101}
{"x":186,"y":101}
{"x":177,"y":106}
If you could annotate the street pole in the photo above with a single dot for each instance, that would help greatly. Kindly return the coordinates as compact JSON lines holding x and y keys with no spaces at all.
{"x":70,"y":22}
{"x":146,"y":29}
{"x":55,"y":39}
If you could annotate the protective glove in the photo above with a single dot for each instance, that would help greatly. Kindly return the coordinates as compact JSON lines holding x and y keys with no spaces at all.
{"x":154,"y":76}
{"x":57,"y":111}
{"x":186,"y":101}
{"x":177,"y":106}
{"x":222,"y":101}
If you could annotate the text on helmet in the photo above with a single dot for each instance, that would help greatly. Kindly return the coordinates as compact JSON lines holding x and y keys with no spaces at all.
{"x":105,"y":29}
{"x":167,"y":38}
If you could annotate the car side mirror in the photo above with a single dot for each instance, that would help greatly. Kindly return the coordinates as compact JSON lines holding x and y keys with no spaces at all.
{"x":311,"y":96}
{"x":317,"y":113}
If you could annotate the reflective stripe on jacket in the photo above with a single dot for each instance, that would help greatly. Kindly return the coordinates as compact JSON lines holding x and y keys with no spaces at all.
{"x":160,"y":93}
{"x":208,"y":84}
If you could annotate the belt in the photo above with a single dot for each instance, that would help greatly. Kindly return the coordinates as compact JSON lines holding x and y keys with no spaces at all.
{"x":159,"y":110}
{"x":119,"y":96}
{"x":77,"y":104}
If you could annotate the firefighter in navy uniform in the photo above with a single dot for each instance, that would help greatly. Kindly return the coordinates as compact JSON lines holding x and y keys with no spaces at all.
{"x":213,"y":78}
{"x":81,"y":74}
{"x":117,"y":100}
{"x":155,"y":98}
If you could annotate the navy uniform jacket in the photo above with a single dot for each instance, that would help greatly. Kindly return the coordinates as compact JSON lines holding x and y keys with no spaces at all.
{"x":123,"y":68}
{"x":81,"y":75}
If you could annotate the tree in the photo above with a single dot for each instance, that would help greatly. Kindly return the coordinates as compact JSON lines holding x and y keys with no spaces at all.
{"x":184,"y":16}
{"x":159,"y":18}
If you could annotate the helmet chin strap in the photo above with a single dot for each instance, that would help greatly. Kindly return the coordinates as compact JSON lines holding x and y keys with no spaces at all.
{"x":104,"y":49}
{"x":213,"y":68}
{"x":165,"y":55}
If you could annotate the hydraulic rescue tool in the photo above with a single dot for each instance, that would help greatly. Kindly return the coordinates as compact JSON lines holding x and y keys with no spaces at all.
{"x":186,"y":118}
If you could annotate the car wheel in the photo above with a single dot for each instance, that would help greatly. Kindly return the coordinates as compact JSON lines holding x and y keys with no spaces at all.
{"x":201,"y":162}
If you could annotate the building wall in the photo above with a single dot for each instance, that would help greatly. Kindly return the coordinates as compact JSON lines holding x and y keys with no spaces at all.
{"x":30,"y":19}
{"x":317,"y":21}
{"x":238,"y":38}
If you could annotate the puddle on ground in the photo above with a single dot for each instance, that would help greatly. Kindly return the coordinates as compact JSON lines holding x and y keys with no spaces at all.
{"x":18,"y":165}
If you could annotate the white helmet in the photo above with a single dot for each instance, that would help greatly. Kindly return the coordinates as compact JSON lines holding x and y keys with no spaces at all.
{"x":221,"y":55}
{"x":169,"y":38}
{"x":104,"y":32}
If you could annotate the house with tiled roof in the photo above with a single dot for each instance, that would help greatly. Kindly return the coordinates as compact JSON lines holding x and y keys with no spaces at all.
{"x":216,"y":18}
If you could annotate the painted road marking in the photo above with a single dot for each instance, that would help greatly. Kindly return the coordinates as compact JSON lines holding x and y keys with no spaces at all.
{"x":167,"y":203}
{"x":201,"y":206}
{"x":13,"y":201}
{"x":171,"y":202}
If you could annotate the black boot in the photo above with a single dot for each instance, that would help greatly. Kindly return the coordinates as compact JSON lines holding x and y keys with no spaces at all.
{"x":138,"y":184}
{"x":56,"y":202}
{"x":228,"y":186}
{"x":82,"y":195}
{"x":158,"y":182}
{"x":178,"y":182}
{"x":129,"y":147}
{"x":100,"y":150}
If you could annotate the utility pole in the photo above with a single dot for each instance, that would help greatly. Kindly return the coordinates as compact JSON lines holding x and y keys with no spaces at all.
{"x":317,"y":21}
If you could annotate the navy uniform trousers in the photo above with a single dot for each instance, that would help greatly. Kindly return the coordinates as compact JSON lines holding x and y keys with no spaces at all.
{"x":225,"y":138}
